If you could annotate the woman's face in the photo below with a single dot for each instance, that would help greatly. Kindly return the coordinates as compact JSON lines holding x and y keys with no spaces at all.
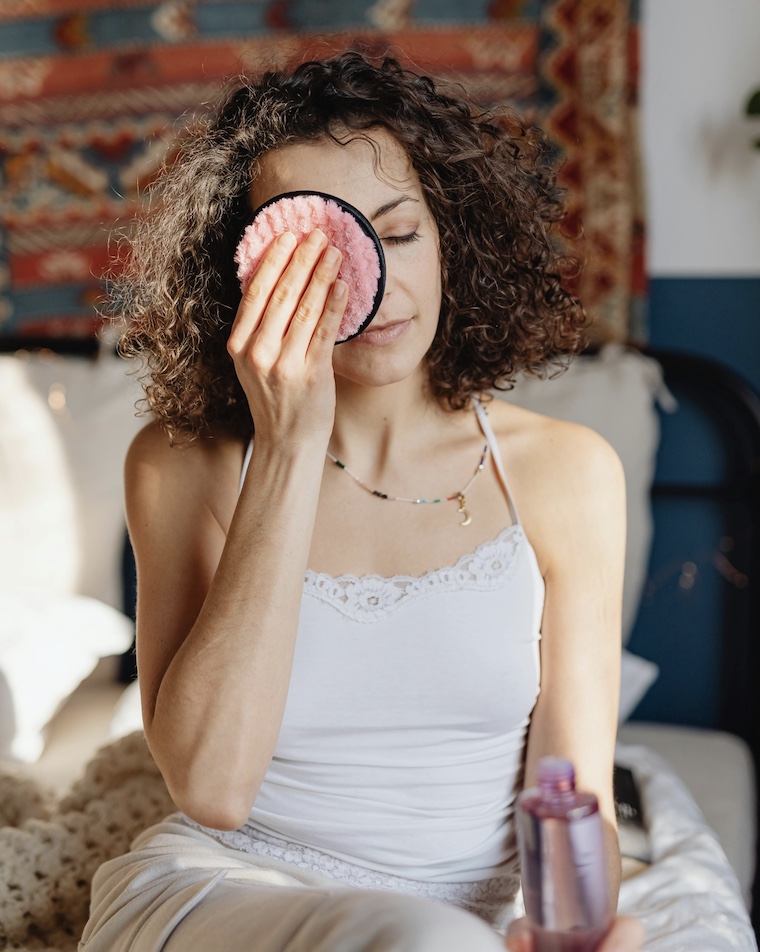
{"x":373,"y":173}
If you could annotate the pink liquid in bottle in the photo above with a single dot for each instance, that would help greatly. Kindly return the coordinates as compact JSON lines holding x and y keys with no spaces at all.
{"x":564,"y":869}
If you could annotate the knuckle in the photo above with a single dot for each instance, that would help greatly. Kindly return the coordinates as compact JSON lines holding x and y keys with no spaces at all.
{"x":239,"y":338}
{"x":238,"y":347}
{"x":276,"y":253}
{"x":282,"y":373}
{"x":323,"y":335}
{"x":260,"y":356}
{"x":307,"y":313}
{"x":330,"y":262}
{"x":280,"y":295}
{"x":252,"y":290}
{"x":324,"y":275}
{"x":335,"y":305}
{"x":308,"y":250}
{"x":301,"y":254}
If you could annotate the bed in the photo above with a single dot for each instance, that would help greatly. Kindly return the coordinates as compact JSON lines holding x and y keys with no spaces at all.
{"x":688,"y":433}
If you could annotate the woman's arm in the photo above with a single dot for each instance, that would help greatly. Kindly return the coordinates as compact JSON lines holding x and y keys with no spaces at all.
{"x":578,"y":531}
{"x":220,"y":579}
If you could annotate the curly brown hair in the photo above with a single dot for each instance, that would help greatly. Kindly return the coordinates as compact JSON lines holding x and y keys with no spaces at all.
{"x":490,"y":184}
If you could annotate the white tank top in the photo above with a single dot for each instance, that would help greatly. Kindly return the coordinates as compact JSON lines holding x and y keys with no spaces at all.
{"x":402,"y":742}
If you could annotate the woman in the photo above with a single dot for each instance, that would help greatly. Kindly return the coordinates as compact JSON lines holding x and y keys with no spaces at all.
{"x":340,"y":688}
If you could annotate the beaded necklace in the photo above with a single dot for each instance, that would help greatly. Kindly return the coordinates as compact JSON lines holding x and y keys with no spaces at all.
{"x":458,"y":496}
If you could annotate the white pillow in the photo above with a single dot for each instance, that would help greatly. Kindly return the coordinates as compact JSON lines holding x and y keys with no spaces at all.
{"x":636,"y":677}
{"x":90,"y":406}
{"x":615,"y":393}
{"x":48,"y":644}
{"x":39,"y":526}
{"x":127,"y":714}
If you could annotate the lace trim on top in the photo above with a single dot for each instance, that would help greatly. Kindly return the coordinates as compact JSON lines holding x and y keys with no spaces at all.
{"x":486,"y":897}
{"x":369,"y":598}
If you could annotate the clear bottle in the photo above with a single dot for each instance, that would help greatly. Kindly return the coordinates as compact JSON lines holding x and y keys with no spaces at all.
{"x":564,"y":869}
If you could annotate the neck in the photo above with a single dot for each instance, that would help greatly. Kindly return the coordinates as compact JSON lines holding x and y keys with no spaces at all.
{"x":400,"y":440}
{"x":373,"y":424}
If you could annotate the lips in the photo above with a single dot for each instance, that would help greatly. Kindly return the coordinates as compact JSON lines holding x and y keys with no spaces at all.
{"x":384,"y":327}
{"x":384,"y":334}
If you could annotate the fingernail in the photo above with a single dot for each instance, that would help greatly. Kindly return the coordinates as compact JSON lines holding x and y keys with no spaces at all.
{"x":316,"y":237}
{"x":339,"y":289}
{"x":288,"y":240}
{"x":331,"y":256}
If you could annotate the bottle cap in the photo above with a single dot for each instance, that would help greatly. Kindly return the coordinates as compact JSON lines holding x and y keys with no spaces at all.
{"x":556,"y":775}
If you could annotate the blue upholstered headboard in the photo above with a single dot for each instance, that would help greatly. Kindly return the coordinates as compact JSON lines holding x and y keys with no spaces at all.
{"x":699,"y":617}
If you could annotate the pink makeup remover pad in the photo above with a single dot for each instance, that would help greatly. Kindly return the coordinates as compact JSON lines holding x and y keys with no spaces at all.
{"x":363,"y":264}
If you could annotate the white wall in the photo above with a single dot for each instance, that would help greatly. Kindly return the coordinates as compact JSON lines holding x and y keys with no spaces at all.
{"x":700,"y":60}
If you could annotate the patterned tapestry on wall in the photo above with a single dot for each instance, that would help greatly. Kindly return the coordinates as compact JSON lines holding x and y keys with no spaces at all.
{"x":92,"y":92}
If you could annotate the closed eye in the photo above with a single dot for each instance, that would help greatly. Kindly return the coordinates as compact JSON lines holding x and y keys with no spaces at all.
{"x":402,"y":239}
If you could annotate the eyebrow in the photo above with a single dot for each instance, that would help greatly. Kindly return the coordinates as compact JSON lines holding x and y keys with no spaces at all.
{"x":389,"y":206}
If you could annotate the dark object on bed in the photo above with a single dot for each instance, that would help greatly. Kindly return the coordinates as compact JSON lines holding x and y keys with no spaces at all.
{"x":699,"y":618}
{"x":128,"y":661}
{"x":632,"y":827}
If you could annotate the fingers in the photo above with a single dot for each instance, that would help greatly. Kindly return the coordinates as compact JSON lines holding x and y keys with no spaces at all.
{"x":320,"y":309}
{"x":519,"y":938}
{"x":324,"y":334}
{"x":291,"y":293}
{"x":626,"y":935}
{"x":291,"y":299}
{"x":259,"y":290}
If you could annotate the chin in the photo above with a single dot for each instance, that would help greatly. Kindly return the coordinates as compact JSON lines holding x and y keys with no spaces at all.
{"x":381,"y":366}
{"x":377,"y":373}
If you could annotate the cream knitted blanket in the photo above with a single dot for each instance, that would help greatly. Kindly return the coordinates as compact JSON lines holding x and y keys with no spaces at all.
{"x":50,"y":850}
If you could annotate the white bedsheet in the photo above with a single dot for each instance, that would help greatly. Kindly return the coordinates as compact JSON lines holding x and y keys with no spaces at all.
{"x":718,"y":771}
{"x":689,"y":899}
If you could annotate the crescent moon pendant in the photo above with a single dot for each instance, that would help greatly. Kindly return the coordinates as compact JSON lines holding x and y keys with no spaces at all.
{"x":467,"y":517}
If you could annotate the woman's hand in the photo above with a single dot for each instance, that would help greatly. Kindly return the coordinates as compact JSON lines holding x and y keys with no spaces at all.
{"x":626,"y":935}
{"x":283,"y":335}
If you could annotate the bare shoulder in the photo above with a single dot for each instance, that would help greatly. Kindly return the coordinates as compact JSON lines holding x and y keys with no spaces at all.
{"x":565,"y":476}
{"x":152,"y":444}
{"x":549,"y":449}
{"x":160,"y":473}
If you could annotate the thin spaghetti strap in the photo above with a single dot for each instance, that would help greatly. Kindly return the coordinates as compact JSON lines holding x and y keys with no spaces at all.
{"x":246,"y":462}
{"x":485,"y":426}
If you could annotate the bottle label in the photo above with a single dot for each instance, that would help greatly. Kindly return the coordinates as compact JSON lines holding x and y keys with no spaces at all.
{"x":565,"y":873}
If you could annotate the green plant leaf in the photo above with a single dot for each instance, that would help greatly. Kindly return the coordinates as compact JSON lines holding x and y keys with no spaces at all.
{"x":753,"y":104}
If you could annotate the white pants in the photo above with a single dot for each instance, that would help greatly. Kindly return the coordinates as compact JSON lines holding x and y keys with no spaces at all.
{"x":238,"y":918}
{"x":179,"y":890}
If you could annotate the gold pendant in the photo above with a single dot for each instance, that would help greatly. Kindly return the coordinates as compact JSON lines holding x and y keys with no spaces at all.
{"x":462,"y":508}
